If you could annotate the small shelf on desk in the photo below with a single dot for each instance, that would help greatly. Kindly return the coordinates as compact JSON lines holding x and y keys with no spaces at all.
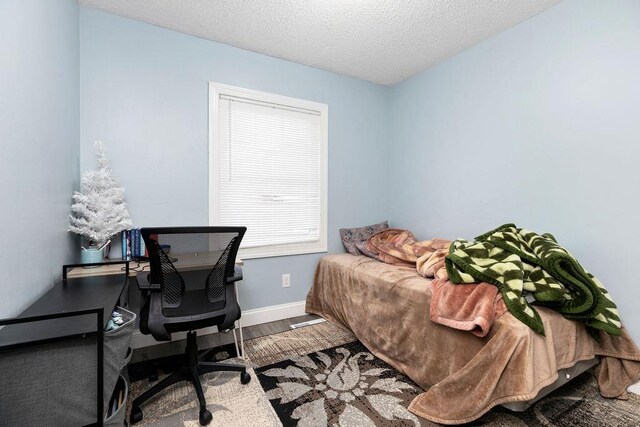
{"x":183,"y":262}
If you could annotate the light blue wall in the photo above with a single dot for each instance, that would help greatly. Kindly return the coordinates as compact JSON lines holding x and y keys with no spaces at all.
{"x":539,"y":125}
{"x":144,"y":92}
{"x":39,"y":160}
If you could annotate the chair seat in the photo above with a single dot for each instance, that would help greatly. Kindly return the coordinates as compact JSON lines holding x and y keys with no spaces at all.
{"x":194,"y":303}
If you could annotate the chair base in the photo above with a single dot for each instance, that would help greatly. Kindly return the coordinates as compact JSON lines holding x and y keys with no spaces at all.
{"x":192,"y":367}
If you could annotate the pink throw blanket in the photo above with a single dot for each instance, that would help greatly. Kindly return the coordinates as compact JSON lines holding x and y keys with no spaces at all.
{"x":471,"y":307}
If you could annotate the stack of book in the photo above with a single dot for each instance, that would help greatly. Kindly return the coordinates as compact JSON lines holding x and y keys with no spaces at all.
{"x":132,"y":245}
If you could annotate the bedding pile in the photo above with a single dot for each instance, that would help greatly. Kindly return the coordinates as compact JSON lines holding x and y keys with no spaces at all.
{"x":467,"y":307}
{"x":520,"y":262}
{"x":525,"y":267}
{"x":399,"y":247}
{"x":387,"y":308}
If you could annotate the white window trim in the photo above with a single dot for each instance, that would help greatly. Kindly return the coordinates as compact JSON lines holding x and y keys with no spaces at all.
{"x":217,"y":89}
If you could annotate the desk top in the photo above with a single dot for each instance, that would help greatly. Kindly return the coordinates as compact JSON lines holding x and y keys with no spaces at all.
{"x":184,"y":262}
{"x":67,"y":295}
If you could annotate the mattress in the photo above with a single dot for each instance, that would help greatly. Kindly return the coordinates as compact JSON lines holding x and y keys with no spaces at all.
{"x":387,"y":308}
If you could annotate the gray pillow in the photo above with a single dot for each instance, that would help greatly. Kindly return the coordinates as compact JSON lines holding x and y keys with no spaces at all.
{"x":352,"y":236}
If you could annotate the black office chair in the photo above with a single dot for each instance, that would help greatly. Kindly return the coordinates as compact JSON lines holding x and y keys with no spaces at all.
{"x":189,"y":286}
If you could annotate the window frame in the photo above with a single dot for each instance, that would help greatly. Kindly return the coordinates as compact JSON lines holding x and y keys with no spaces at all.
{"x":215,"y":91}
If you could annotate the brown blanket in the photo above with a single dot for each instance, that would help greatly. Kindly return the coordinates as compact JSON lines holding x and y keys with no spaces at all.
{"x":463,"y":375}
{"x":399,"y":247}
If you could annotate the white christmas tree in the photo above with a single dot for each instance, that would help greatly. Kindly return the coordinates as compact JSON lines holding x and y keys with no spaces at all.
{"x":99,"y":211}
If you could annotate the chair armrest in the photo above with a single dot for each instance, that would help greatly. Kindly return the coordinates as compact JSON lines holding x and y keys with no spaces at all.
{"x":237,"y":274}
{"x":143,"y":282}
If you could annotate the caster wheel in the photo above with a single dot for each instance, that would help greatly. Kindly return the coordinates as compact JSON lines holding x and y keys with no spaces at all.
{"x":136,"y":415}
{"x":205,"y":417}
{"x":245,"y":377}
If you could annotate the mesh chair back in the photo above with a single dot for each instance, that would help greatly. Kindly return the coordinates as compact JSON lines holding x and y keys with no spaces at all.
{"x":192,"y":258}
{"x":216,"y":278}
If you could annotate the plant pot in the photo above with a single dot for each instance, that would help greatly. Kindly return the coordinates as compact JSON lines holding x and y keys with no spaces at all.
{"x":92,"y":255}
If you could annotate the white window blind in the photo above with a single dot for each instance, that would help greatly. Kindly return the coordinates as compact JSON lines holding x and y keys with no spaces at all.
{"x":270,"y":173}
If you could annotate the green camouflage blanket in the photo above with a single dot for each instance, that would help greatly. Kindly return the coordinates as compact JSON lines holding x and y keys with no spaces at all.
{"x":528,"y":267}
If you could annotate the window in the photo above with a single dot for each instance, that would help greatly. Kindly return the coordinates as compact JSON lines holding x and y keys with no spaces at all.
{"x":268,"y":170}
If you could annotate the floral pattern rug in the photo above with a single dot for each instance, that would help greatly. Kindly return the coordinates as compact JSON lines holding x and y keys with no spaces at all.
{"x":341,"y":386}
{"x":345,"y":385}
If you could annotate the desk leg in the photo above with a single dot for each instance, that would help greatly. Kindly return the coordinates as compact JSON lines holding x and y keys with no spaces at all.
{"x":241,"y":339}
{"x":235,"y":339}
{"x":239,"y":322}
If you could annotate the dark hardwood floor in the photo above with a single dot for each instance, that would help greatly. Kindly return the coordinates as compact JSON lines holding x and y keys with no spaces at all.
{"x":218,"y":339}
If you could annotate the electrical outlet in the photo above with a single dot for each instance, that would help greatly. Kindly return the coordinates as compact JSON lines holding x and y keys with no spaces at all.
{"x":286,"y":280}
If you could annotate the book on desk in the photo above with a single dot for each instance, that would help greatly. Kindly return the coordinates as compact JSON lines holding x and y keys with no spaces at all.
{"x":132,"y":246}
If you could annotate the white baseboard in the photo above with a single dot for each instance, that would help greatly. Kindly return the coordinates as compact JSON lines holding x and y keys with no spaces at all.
{"x":634,"y":388}
{"x":271,"y":314}
{"x":249,"y":318}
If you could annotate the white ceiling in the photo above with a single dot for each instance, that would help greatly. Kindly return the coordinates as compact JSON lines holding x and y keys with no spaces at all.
{"x":383,"y":41}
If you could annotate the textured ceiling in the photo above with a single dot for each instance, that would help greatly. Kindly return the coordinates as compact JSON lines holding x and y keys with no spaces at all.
{"x":383,"y":41}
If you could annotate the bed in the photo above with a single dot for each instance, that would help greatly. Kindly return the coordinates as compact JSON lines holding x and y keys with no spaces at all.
{"x":387,"y":308}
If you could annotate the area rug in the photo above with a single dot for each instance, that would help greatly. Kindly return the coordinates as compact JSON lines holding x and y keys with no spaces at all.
{"x":260,"y":351}
{"x":230,"y":402}
{"x":342,"y":386}
{"x":348,"y":386}
{"x":277,"y":347}
{"x":233,"y":404}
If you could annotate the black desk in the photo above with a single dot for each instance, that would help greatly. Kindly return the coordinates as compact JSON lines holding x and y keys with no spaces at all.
{"x":52,"y":365}
{"x":67,"y":295}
